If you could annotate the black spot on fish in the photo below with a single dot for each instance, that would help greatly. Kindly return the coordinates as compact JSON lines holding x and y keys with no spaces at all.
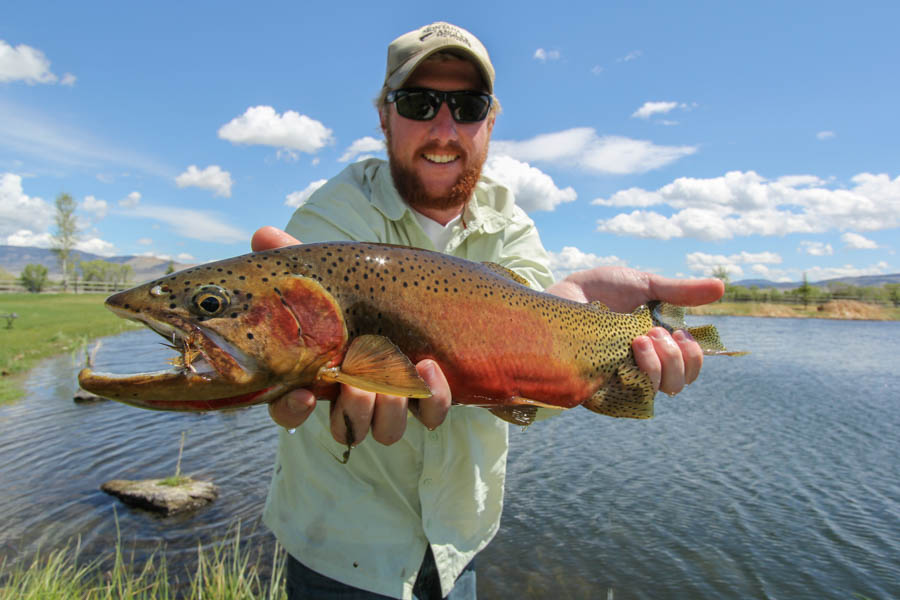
{"x":249,"y":336}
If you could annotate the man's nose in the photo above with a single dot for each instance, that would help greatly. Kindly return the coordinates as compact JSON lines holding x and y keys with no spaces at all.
{"x":443,"y":127}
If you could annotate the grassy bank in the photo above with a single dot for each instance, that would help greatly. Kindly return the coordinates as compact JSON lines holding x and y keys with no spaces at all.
{"x":48,"y":324}
{"x":834,"y":309}
{"x":227,"y":571}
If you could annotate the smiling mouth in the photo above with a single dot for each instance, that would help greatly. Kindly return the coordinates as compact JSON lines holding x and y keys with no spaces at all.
{"x":440,"y":158}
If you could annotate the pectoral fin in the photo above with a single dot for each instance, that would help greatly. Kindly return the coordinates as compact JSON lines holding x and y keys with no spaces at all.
{"x":373,"y":363}
{"x":629,"y":393}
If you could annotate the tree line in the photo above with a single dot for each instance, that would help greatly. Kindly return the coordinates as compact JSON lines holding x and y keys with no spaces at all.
{"x":806,"y":294}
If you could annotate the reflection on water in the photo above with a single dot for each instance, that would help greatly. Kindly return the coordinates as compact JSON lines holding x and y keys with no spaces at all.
{"x":57,"y":453}
{"x":774,"y":476}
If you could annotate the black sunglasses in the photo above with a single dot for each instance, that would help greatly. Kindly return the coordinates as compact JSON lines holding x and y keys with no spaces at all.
{"x":423,"y":104}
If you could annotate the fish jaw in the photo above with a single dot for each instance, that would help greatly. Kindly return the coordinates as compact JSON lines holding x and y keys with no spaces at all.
{"x":217,"y":375}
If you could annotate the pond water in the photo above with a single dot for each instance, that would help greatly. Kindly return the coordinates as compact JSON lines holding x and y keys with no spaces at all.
{"x":774,"y":476}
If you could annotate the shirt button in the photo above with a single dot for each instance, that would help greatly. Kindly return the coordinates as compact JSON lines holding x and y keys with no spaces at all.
{"x":426,"y":481}
{"x":433,"y":436}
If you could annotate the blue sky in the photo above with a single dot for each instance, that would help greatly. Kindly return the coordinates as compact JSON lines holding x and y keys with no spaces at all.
{"x":670,"y":137}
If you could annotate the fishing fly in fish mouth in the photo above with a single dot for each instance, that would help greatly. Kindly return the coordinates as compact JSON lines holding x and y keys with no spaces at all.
{"x":250,"y":328}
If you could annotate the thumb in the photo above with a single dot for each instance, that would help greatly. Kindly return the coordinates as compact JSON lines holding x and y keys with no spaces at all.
{"x":686,"y":292}
{"x":268,"y":237}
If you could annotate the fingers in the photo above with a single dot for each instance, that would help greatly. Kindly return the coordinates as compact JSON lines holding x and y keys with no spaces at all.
{"x":386,"y":415}
{"x":661,"y":359}
{"x":432,"y":411}
{"x":353,"y":407}
{"x":268,"y":237}
{"x":692,"y":354}
{"x":292,"y":409}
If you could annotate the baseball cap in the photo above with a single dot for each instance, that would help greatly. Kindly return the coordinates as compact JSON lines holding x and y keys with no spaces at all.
{"x":410,"y":49}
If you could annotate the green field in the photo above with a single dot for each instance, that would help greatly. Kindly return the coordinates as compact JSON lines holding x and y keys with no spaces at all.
{"x":48,"y":324}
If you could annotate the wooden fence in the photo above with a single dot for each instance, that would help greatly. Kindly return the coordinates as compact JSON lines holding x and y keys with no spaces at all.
{"x":80,"y":287}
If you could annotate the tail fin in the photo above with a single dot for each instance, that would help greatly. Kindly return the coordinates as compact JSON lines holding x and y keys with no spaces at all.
{"x":628,"y":393}
{"x":672,"y":318}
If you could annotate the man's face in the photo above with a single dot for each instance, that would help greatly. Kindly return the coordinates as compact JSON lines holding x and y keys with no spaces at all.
{"x":436,"y":163}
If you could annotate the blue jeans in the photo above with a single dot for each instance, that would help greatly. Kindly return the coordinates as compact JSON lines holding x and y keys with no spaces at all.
{"x":303,"y":583}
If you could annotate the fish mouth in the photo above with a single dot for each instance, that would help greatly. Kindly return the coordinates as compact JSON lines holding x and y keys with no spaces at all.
{"x":209,"y":373}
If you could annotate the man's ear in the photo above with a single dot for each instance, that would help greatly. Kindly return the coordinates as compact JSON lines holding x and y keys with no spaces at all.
{"x":383,"y":117}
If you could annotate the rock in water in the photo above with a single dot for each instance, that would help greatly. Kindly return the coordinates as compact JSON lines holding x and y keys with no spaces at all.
{"x":153,"y":495}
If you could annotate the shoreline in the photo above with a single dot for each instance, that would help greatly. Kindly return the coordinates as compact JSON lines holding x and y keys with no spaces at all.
{"x":847,"y":310}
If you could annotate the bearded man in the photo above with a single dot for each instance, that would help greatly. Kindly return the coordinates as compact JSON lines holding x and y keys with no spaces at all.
{"x":406,"y":516}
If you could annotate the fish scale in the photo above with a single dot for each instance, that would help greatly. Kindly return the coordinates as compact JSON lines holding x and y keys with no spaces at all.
{"x":315,"y":315}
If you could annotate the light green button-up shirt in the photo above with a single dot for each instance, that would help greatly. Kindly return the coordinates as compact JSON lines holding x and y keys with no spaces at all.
{"x":367,"y":523}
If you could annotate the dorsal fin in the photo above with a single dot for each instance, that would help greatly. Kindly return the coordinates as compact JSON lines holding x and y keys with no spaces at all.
{"x":508,"y":273}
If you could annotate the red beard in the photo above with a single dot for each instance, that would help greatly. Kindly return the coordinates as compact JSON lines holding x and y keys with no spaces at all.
{"x":412,"y":188}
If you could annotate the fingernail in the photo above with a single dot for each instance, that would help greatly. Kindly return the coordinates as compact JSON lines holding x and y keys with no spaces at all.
{"x":643,"y":342}
{"x":683,"y":335}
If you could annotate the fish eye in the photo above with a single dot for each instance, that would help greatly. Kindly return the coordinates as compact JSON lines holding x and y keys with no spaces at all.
{"x":210,"y":301}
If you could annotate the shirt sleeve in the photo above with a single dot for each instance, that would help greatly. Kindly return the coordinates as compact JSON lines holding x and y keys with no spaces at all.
{"x":524,"y":253}
{"x":336,"y":212}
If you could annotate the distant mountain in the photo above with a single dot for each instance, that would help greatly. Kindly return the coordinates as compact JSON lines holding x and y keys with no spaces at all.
{"x":14,"y":259}
{"x":862,"y":281}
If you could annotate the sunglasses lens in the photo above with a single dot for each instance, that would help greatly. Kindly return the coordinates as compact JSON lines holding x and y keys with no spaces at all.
{"x":468,"y":107}
{"x":420,"y":106}
{"x":423,"y":105}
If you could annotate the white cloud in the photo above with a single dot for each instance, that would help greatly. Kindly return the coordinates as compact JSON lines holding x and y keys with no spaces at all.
{"x":582,"y":148}
{"x":95,"y":206}
{"x":68,"y":79}
{"x":533,"y":189}
{"x":211,"y":178}
{"x":96,"y":246}
{"x":291,"y":131}
{"x":633,"y":55}
{"x":131,"y":200}
{"x":545,"y":55}
{"x":653,"y":108}
{"x":26,"y":237}
{"x":185,"y":257}
{"x":571,"y":259}
{"x":18,"y":211}
{"x":745,"y":203}
{"x":145,"y":241}
{"x":362,"y":146}
{"x":32,"y":132}
{"x":825,"y":135}
{"x":193,"y":224}
{"x":816,"y":248}
{"x":597,"y":69}
{"x":858,"y":242}
{"x":707,"y":264}
{"x":820,"y":273}
{"x":24,"y":63}
{"x":298,"y":199}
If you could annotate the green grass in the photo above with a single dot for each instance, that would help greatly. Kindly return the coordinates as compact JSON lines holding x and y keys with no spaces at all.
{"x":48,"y":324}
{"x":224,"y":571}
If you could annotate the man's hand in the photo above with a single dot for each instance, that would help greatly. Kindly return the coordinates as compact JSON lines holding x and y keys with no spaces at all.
{"x":384,"y":415}
{"x":671,"y":361}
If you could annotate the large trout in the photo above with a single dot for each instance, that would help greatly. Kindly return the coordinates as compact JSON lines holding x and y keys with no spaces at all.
{"x":253,"y":327}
